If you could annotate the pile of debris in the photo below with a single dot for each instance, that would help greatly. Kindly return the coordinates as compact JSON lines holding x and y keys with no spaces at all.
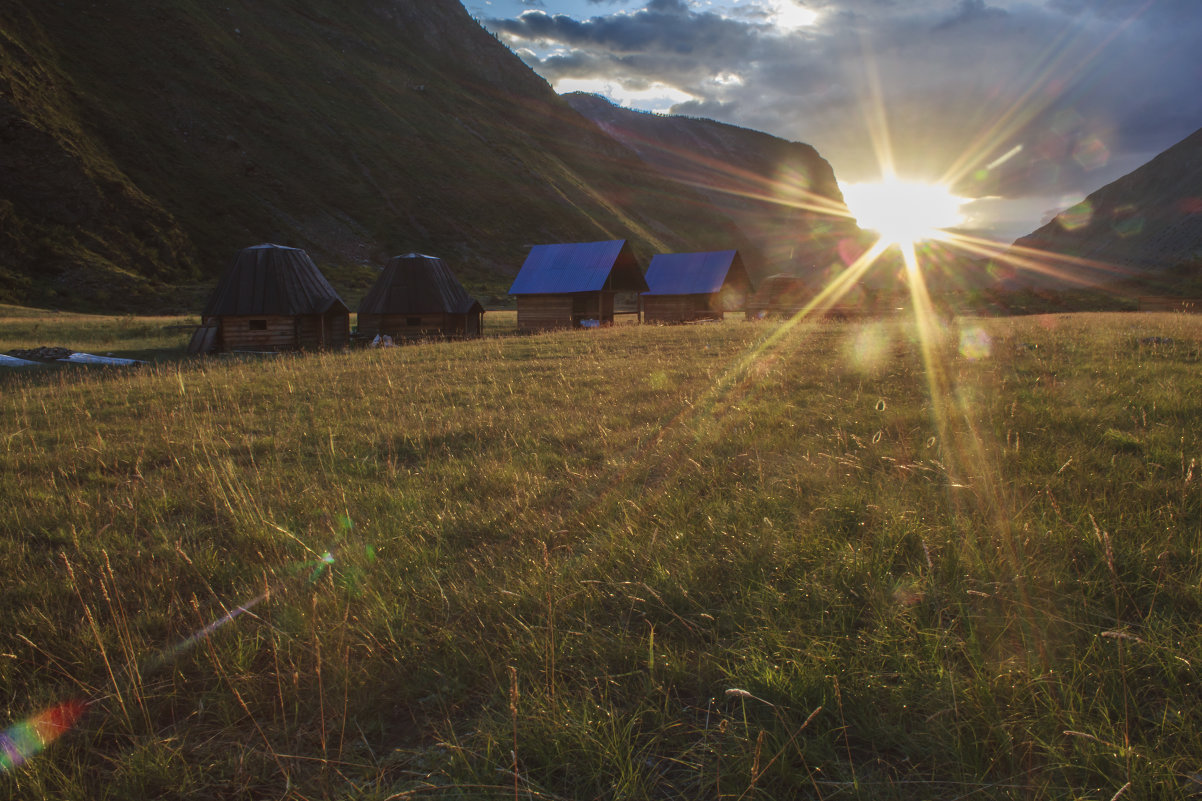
{"x":42,"y":354}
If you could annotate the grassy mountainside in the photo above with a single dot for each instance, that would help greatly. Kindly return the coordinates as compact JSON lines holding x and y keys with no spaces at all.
{"x":1148,"y":222}
{"x":73,"y":225}
{"x":148,"y":142}
{"x":737,"y":560}
{"x":783,"y":195}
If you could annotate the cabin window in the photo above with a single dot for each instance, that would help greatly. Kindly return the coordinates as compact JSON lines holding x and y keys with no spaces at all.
{"x":413,"y":321}
{"x":258,"y":325}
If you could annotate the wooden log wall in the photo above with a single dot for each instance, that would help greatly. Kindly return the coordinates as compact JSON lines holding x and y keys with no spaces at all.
{"x":1170,"y":304}
{"x":257,"y":333}
{"x":279,"y":333}
{"x":416,"y":326}
{"x":544,"y":311}
{"x":679,"y":308}
{"x":330,"y":331}
{"x":337,"y":330}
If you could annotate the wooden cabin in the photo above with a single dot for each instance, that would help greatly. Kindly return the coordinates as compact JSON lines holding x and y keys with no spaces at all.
{"x":780,"y":295}
{"x":273,"y":298}
{"x":689,"y":287}
{"x":418,"y":296}
{"x":1160,"y":303}
{"x":573,"y":285}
{"x":785,"y":295}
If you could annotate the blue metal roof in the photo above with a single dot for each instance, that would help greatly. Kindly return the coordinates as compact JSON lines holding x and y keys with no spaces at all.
{"x":581,"y":267}
{"x":694,"y":273}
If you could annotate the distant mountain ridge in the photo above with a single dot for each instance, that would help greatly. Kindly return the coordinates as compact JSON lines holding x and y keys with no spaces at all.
{"x":783,"y":195}
{"x":1147,"y":222}
{"x":142,"y":145}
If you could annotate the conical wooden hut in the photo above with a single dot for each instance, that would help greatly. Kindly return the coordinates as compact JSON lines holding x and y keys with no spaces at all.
{"x":273,"y":298}
{"x":418,"y":296}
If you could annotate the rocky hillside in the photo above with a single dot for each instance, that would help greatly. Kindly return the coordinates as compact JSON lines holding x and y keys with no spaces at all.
{"x":143,"y":144}
{"x":783,"y":195}
{"x":1149,"y":222}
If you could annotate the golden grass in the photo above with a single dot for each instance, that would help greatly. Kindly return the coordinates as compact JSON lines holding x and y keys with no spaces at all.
{"x":724,"y":560}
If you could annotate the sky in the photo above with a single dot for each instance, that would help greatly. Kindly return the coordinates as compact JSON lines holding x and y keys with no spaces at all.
{"x":1022,"y":106}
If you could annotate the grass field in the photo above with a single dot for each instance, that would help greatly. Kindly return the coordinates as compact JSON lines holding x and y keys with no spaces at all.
{"x":829,"y":560}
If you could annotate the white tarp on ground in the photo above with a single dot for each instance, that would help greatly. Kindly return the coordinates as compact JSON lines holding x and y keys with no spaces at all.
{"x":88,"y":358}
{"x":13,"y":361}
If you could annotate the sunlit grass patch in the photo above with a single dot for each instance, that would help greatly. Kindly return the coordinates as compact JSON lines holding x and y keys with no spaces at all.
{"x":635,"y":562}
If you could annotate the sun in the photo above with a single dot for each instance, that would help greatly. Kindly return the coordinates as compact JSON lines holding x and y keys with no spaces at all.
{"x":903,"y":212}
{"x":789,"y":16}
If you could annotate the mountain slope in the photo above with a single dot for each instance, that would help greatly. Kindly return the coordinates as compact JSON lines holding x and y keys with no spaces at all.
{"x":783,"y":195}
{"x":143,"y":144}
{"x":66,"y":207}
{"x":1148,"y":221}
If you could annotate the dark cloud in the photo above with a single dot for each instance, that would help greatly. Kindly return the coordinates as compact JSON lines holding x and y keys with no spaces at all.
{"x":664,"y":25}
{"x":1158,"y":11}
{"x":1078,"y":87}
{"x":668,"y":7}
{"x":971,"y":11}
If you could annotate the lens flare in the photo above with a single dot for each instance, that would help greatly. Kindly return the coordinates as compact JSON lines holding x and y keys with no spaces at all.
{"x":1128,"y":222}
{"x":868,"y":349}
{"x":24,"y":740}
{"x":903,"y":211}
{"x":190,"y":642}
{"x":21,"y":741}
{"x":1091,"y":153}
{"x":1078,"y":216}
{"x":975,"y":344}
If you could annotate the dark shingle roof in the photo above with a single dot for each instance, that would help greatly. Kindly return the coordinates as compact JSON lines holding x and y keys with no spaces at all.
{"x":272,"y":279}
{"x":580,"y":267}
{"x":415,"y":284}
{"x":695,"y":273}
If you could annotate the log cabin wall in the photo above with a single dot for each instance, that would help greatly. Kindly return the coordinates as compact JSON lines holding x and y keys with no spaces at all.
{"x":337,"y":333}
{"x":597,"y":306}
{"x":545,"y":311}
{"x":679,"y":308}
{"x":565,"y":311}
{"x":607,"y":307}
{"x":308,"y":332}
{"x":330,"y":331}
{"x":257,"y":333}
{"x":413,"y":326}
{"x":1170,"y":304}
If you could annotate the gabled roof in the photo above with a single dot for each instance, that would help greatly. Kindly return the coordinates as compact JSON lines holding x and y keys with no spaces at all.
{"x":272,"y":279}
{"x":416,"y":284}
{"x":782,"y":290}
{"x":581,"y":267}
{"x":696,"y":273}
{"x":782,"y":284}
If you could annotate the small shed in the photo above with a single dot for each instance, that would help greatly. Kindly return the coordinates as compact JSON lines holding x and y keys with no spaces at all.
{"x":418,"y":296}
{"x":273,"y":298}
{"x":779,"y":295}
{"x":686,"y":287}
{"x":573,"y":285}
{"x":1158,"y":303}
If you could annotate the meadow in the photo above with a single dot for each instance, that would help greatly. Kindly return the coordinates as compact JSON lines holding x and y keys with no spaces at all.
{"x":830,"y":560}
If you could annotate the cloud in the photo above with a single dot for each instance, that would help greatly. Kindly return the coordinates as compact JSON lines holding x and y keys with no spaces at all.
{"x":1082,"y":88}
{"x":971,"y":11}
